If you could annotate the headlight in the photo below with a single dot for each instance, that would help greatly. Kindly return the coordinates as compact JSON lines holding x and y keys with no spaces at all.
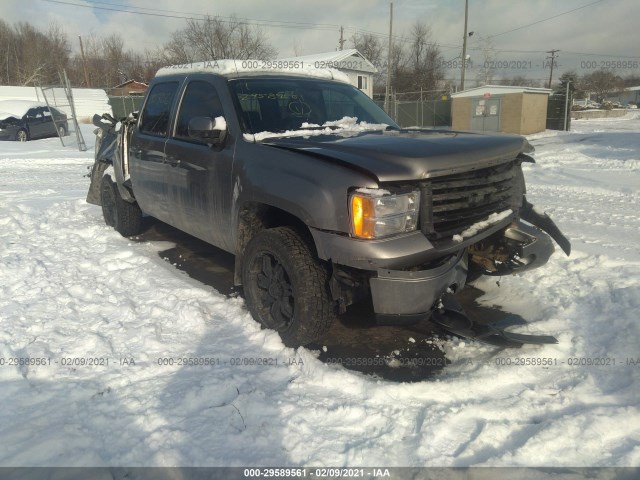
{"x":378,"y":213}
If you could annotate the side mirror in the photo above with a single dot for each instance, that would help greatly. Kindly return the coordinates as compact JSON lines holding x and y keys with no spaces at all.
{"x":208,"y":129}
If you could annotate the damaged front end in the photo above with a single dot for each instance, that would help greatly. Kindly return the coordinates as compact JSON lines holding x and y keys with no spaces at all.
{"x":483,"y":222}
{"x":112,"y":139}
{"x":522,"y":245}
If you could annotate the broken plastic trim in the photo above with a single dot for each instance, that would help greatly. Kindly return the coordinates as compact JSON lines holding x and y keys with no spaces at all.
{"x":451,"y":317}
{"x":544,"y":223}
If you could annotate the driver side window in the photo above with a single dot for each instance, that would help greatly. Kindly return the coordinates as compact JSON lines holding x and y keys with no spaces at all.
{"x":200,"y":100}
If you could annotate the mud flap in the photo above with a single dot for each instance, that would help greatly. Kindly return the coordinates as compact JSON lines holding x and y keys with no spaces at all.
{"x":544,"y":223}
{"x":451,"y":317}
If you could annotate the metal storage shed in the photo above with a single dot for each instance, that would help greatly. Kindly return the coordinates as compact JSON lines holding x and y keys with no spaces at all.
{"x":500,"y":108}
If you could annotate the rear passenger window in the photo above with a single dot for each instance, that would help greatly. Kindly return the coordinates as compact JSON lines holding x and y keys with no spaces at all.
{"x":200,"y":100}
{"x":157,"y":111}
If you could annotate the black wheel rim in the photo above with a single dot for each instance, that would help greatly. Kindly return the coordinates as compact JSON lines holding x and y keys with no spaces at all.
{"x":275,"y":291}
{"x":108,"y":205}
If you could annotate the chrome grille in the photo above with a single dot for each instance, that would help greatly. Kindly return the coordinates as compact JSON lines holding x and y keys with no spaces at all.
{"x":452,"y":203}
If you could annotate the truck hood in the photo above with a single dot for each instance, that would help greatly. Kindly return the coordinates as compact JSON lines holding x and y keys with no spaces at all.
{"x":405,"y":155}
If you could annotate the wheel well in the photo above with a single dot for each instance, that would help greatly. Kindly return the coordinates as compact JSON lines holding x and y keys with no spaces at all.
{"x":255,"y":217}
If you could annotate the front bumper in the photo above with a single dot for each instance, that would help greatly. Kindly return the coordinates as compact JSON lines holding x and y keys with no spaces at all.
{"x":397,"y":252}
{"x":402,"y":297}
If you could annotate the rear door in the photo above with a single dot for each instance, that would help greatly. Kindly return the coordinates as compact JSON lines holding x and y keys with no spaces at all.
{"x":148,"y":165}
{"x":199,"y":173}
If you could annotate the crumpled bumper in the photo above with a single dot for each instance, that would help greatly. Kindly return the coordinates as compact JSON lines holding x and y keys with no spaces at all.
{"x":403,"y":297}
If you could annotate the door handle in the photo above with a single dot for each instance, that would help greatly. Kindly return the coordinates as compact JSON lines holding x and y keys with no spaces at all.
{"x":173,"y":161}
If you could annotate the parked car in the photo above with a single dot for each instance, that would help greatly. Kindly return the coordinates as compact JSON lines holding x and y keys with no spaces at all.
{"x":323,"y":199}
{"x":23,"y":120}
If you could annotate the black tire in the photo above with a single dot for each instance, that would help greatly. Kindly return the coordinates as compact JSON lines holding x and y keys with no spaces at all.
{"x":125,"y":217}
{"x":286,"y":287}
{"x":62,"y":132}
{"x":22,"y":135}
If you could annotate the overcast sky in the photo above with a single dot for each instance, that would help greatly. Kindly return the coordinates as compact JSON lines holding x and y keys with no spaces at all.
{"x":608,"y":28}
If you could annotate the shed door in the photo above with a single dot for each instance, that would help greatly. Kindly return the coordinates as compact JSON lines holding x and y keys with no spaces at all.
{"x":485,"y":114}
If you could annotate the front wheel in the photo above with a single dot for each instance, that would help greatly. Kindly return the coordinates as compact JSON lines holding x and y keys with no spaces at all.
{"x":22,"y":135}
{"x":286,"y":287}
{"x":62,"y":132}
{"x":125,"y":217}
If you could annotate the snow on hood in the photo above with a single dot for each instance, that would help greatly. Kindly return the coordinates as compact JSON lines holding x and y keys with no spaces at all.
{"x":5,"y":116}
{"x":346,"y":125}
{"x":17,"y":108}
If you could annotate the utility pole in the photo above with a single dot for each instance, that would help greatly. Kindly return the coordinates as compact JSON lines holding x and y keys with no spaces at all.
{"x":566,"y":106}
{"x":387,"y":90}
{"x":84,"y":63}
{"x":464,"y":44}
{"x":553,"y":60}
{"x":342,"y":40}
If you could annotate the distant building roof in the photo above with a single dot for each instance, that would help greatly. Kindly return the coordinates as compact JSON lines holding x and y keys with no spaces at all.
{"x":499,"y":90}
{"x":129,"y":82}
{"x":350,"y":59}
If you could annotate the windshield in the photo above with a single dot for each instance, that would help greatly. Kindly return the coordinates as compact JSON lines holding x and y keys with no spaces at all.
{"x":278,"y":105}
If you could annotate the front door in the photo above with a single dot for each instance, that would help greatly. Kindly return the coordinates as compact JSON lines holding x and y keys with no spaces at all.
{"x":200,"y":174}
{"x":149,"y":169}
{"x":36,"y":122}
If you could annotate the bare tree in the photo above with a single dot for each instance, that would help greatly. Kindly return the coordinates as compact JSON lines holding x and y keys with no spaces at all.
{"x":519,"y":81}
{"x":487,"y":63}
{"x":416,"y":63}
{"x":214,"y":39}
{"x":372,"y":49}
{"x":602,"y":83}
{"x":8,"y":53}
{"x":29,"y":56}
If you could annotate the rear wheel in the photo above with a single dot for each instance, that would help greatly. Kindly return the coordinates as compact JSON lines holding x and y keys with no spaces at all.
{"x":286,"y":287}
{"x":22,"y":135}
{"x":125,"y":217}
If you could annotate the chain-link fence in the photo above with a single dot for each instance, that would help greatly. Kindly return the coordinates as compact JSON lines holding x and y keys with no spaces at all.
{"x":427,"y":113}
{"x":411,"y":110}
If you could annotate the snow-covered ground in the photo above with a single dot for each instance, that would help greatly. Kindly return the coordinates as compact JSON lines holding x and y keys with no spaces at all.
{"x":73,"y":290}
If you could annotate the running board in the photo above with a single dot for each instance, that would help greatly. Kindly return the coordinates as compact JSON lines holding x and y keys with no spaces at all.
{"x":451,"y":317}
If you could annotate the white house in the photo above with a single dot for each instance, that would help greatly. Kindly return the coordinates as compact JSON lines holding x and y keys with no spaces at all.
{"x":351,"y":62}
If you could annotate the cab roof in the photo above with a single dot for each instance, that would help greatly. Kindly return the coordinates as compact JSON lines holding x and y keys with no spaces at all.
{"x":237,"y":68}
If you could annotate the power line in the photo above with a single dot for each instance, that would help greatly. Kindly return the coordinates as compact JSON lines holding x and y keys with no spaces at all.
{"x":203,"y":17}
{"x":545,"y":19}
{"x":309,"y":25}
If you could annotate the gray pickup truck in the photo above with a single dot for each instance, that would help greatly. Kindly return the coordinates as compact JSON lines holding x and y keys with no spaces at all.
{"x":321,"y":197}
